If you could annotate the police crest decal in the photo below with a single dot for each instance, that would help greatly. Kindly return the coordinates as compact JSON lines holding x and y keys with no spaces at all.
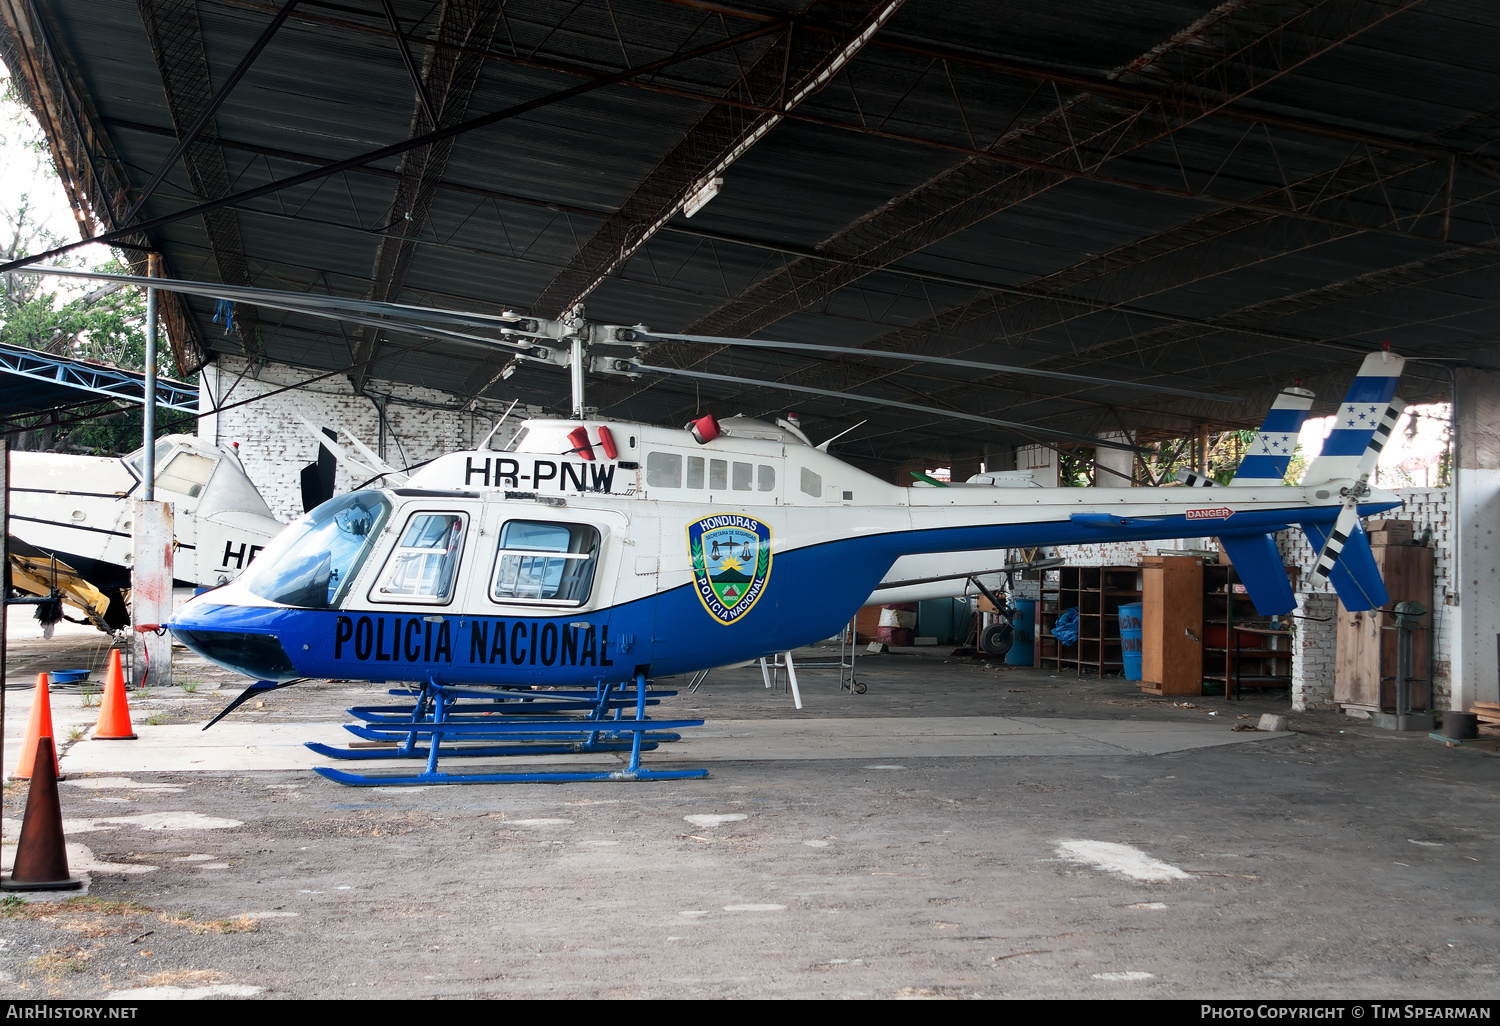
{"x":731,"y":557}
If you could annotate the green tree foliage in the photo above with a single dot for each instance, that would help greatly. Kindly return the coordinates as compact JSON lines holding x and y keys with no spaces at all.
{"x":1162,"y":460}
{"x":105,"y":324}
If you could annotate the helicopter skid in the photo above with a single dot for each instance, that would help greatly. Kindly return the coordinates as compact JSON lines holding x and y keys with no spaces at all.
{"x":378,"y":735}
{"x":498,"y":729}
{"x":516,"y":723}
{"x":356,"y":780}
{"x":402,"y":714}
{"x":505,"y":693}
{"x":648,"y":743}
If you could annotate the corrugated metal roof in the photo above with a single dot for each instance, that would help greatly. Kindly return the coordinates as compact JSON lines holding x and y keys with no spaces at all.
{"x":1275,"y":237}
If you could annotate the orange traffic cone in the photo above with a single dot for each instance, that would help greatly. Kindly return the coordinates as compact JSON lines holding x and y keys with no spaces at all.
{"x":39,"y":727}
{"x":42,"y":854}
{"x":114,"y":711}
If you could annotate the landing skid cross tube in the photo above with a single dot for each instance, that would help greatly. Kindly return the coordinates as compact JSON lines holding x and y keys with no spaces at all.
{"x":502,"y":722}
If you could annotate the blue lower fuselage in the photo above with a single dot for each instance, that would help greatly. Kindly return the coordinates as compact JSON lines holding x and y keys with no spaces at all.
{"x":810,"y":594}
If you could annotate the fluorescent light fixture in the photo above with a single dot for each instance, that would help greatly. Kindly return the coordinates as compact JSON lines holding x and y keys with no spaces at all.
{"x":701,"y":194}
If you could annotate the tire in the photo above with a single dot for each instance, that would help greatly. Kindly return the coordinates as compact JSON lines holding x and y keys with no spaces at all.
{"x":996,"y":639}
{"x":859,"y":687}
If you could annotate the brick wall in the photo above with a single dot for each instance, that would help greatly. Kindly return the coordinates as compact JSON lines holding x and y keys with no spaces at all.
{"x":1313,"y":643}
{"x":420,"y":423}
{"x":1424,"y":507}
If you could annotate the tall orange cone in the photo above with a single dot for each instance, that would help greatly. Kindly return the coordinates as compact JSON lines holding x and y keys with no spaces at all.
{"x":39,"y":727}
{"x":114,"y":711}
{"x":42,"y":854}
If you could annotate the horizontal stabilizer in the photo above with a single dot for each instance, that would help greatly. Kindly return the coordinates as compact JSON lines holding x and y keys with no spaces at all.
{"x":1354,"y":576}
{"x":1258,"y":564}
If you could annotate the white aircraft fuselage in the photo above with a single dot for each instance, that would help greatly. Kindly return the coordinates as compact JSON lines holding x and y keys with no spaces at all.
{"x":79,"y":509}
{"x":551,"y":565}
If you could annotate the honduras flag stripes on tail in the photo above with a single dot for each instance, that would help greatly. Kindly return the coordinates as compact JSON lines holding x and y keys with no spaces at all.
{"x":1270,"y":455}
{"x":1360,"y":416}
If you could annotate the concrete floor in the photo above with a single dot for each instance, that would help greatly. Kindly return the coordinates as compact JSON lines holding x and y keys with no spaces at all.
{"x":960,"y":830}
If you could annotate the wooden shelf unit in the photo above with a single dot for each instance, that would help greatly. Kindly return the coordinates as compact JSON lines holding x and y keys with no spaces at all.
{"x":1097,"y":592}
{"x":1241,"y":648}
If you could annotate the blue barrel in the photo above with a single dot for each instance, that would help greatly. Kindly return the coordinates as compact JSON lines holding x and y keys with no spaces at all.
{"x":1023,"y":641}
{"x":1130,"y":639}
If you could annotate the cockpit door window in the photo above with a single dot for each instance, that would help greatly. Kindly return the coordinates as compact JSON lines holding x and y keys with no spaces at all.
{"x":424,"y":566}
{"x":545,"y":563}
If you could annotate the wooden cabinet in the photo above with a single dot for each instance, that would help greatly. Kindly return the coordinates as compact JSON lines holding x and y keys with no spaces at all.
{"x":1198,"y":626}
{"x":1097,"y":592}
{"x":1365,"y":674}
{"x":1172,"y":625}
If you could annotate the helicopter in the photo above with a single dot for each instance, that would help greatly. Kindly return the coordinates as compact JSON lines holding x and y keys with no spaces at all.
{"x":593,"y":554}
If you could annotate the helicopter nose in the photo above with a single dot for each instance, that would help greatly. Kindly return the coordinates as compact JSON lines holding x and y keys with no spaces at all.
{"x":255,"y":655}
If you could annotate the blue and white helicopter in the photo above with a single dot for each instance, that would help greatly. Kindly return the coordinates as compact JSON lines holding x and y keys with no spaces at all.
{"x":595,"y":554}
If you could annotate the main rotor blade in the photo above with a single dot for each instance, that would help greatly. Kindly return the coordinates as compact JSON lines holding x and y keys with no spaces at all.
{"x":336,"y":308}
{"x":282,"y":300}
{"x":877,"y":401}
{"x":657,"y":336}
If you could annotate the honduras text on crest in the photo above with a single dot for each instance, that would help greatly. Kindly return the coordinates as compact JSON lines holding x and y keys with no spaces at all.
{"x":731,"y":557}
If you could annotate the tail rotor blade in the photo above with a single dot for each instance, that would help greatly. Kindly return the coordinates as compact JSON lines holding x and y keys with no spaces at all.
{"x":1193,"y":479}
{"x":1381,"y":436}
{"x":1334,"y":547}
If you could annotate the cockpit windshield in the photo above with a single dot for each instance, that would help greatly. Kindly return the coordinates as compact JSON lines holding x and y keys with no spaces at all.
{"x":311,"y":562}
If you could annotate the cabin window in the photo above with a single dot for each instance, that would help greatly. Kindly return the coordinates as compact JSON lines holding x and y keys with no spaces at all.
{"x":545,"y":563}
{"x":663,"y":470}
{"x":186,"y":474}
{"x":765,"y":478}
{"x":812,"y":483}
{"x":718,"y":475}
{"x":695,"y":472}
{"x":743,"y":474}
{"x":310,"y":563}
{"x":138,"y":458}
{"x":424,"y":566}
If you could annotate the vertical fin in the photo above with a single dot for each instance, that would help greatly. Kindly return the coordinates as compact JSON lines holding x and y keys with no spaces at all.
{"x":1269,"y":456}
{"x":1360,"y":416}
{"x":1257,"y":561}
{"x":1355,"y":575}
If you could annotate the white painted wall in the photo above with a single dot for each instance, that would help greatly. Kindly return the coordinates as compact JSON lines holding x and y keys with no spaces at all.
{"x":1476,"y":661}
{"x":421,"y":423}
{"x":1114,"y":468}
{"x":1041,"y":461}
